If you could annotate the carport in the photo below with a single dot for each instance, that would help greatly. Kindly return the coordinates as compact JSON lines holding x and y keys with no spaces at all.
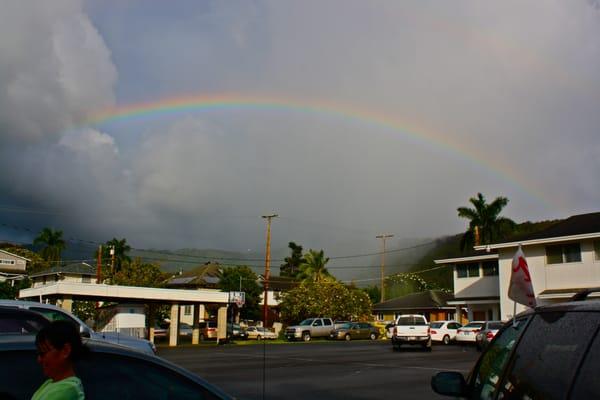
{"x":63,"y":294}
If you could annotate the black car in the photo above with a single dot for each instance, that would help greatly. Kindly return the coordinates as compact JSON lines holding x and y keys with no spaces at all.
{"x":108,"y":371}
{"x":551,"y":352}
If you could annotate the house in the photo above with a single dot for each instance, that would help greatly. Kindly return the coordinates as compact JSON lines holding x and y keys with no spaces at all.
{"x":75,"y":272}
{"x":128,"y":319}
{"x":563,"y":258}
{"x":433,"y":304}
{"x":12,"y":264}
{"x":205,"y":276}
{"x":476,"y":284}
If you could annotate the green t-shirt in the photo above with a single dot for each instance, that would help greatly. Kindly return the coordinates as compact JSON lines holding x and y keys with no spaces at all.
{"x":67,"y":389}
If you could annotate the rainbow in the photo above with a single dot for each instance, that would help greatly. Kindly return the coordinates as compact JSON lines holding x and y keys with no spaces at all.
{"x":234,"y":101}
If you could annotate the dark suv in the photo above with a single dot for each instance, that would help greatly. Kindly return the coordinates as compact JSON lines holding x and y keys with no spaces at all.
{"x":551,"y":352}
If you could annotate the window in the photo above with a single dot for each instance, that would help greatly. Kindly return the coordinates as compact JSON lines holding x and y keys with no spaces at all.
{"x":53,"y":315}
{"x":490,"y":268}
{"x":489,"y":370}
{"x":563,"y":253}
{"x":587,"y":385}
{"x":380,"y":316}
{"x":318,"y":323}
{"x":597,"y":250}
{"x":187,"y":310}
{"x":543,"y":369}
{"x":327,"y":322}
{"x":467,"y":270}
{"x":8,"y":262}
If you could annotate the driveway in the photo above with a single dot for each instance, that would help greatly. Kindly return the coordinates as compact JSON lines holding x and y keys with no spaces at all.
{"x":322,"y":369}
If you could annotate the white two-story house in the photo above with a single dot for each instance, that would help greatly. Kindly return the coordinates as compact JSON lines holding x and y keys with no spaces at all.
{"x":562,"y":259}
{"x":476,"y":285}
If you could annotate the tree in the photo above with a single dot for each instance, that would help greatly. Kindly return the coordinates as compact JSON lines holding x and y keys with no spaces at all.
{"x":137,"y":273}
{"x":485,"y":223}
{"x":313,"y":267}
{"x":324,"y":299}
{"x":121,"y":249}
{"x":291,"y":267}
{"x":52,"y":242}
{"x":233,"y":278}
{"x":10,"y":291}
{"x":374,"y":293}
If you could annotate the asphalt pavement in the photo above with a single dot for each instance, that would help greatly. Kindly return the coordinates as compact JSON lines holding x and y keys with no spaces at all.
{"x":322,"y":369}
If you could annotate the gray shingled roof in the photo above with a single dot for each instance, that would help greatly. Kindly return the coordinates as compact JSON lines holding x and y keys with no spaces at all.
{"x":75,"y":268}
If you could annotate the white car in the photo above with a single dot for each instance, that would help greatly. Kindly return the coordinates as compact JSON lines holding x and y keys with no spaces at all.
{"x":258,"y":333}
{"x":469,"y":332}
{"x":444,"y":331}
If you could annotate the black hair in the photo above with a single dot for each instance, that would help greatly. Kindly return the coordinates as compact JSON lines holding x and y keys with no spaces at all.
{"x":59,"y":333}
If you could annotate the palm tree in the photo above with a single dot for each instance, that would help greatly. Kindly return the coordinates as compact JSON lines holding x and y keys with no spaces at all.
{"x":313,"y":267}
{"x":485,"y":224}
{"x":53,"y":244}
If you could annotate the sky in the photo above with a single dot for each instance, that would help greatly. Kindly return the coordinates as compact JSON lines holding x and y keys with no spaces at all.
{"x":347,"y":118}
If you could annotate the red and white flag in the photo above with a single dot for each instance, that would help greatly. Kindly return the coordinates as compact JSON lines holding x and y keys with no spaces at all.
{"x":521,"y":288}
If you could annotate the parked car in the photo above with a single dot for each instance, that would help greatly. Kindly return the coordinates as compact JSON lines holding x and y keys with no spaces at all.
{"x":161,"y":330}
{"x":208,"y":330}
{"x":21,"y":322}
{"x":185,"y":329}
{"x":389,"y":330}
{"x":355,"y":330}
{"x":444,"y":331}
{"x":236,"y":331}
{"x":53,"y":313}
{"x":550,"y":352}
{"x":411,"y":330}
{"x":310,"y":328}
{"x":468,"y":333}
{"x":259,"y":333}
{"x":108,"y":371}
{"x":487,"y":333}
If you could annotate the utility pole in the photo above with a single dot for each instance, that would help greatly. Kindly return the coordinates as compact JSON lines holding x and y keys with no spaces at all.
{"x":267,"y":266}
{"x":112,"y":259}
{"x":383,"y":237}
{"x":99,"y":265}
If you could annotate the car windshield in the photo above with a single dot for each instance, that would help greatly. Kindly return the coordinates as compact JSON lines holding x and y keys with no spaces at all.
{"x":475,"y":325}
{"x":436,"y":325}
{"x":495,"y":325}
{"x":306,"y":322}
{"x":347,"y":325}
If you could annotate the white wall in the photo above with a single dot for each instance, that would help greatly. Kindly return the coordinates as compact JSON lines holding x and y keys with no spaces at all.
{"x":585,"y":273}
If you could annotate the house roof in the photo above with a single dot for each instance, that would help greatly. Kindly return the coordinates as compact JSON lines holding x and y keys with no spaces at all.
{"x":203,"y":275}
{"x":14,"y":255}
{"x":430,"y":299}
{"x":470,"y":257}
{"x":75,"y":268}
{"x":576,"y":227}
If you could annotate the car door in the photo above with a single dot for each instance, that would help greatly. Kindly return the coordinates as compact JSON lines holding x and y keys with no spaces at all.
{"x":452,"y":327}
{"x":318,"y":327}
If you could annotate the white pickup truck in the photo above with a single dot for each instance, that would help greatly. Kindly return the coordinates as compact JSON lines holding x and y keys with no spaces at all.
{"x":411,"y":329}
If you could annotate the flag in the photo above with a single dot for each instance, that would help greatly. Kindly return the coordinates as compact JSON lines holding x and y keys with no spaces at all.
{"x":521,"y":288}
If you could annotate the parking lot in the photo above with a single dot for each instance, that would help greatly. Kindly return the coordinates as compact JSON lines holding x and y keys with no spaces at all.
{"x":322,"y":369}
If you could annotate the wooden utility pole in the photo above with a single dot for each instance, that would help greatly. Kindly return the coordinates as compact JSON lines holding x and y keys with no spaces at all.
{"x":267,"y":266}
{"x":112,"y":259}
{"x":383,"y":237}
{"x":99,"y":265}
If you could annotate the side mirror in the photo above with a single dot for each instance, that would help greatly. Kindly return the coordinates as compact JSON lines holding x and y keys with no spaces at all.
{"x":84,"y":332}
{"x":449,"y":384}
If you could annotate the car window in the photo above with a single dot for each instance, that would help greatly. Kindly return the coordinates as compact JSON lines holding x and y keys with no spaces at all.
{"x":318,"y":323}
{"x":587,"y":384}
{"x":437,"y":325}
{"x":495,"y":325}
{"x":106,"y":376}
{"x":486,"y":377}
{"x":403,"y":321}
{"x":21,"y":324}
{"x":54,"y":315}
{"x":476,"y":325}
{"x":327,"y":322}
{"x":548,"y":355}
{"x":306,"y":322}
{"x":453,"y":325}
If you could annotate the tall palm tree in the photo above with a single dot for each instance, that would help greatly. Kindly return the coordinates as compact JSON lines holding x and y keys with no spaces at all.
{"x":485,"y":223}
{"x":313,"y":267}
{"x":53,"y":244}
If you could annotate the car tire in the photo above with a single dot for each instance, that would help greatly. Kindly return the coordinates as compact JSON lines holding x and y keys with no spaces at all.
{"x":306,"y":336}
{"x":348,"y":338}
{"x":446,"y":340}
{"x":373,"y":336}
